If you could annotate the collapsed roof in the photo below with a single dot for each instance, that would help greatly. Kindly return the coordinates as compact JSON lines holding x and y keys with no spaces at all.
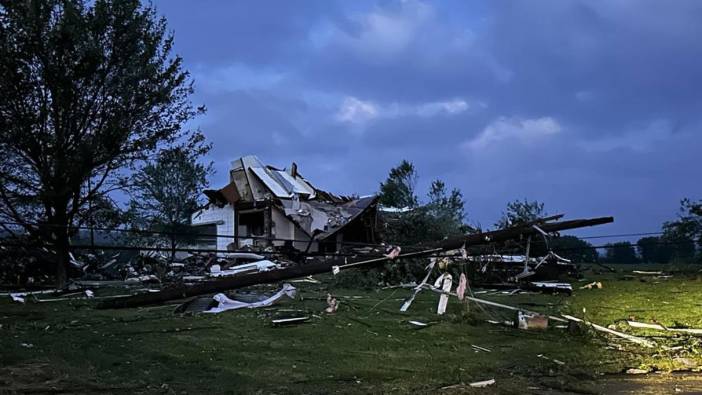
{"x":318,"y":213}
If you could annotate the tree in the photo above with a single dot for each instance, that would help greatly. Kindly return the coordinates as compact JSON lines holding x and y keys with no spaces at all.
{"x":443,"y":215}
{"x":653,"y":250}
{"x":519,"y":212}
{"x":621,"y":252}
{"x":168,"y":191}
{"x":398,"y":190}
{"x":88,"y":88}
{"x":446,"y":211}
{"x":682,"y":234}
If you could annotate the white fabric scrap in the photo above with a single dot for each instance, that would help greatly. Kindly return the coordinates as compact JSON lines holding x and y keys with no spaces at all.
{"x":462,"y":285}
{"x":230,"y":304}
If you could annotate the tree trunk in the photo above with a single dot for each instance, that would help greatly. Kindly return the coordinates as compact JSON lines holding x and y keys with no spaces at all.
{"x":58,"y":229}
{"x":62,"y":255}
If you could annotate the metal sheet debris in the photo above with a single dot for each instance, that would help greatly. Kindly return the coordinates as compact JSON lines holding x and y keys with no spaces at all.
{"x":226,"y":304}
{"x":259,"y":266}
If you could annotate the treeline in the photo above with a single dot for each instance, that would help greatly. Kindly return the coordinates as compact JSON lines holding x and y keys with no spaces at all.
{"x":680,"y":241}
{"x":409,"y":220}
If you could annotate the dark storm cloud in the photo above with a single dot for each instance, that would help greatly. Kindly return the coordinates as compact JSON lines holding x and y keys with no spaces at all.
{"x":592,"y":107}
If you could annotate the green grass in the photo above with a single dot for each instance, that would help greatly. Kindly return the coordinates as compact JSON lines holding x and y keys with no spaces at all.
{"x":366,"y":347}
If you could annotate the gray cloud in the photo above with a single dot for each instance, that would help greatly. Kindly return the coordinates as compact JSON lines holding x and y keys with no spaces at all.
{"x":593,"y":107}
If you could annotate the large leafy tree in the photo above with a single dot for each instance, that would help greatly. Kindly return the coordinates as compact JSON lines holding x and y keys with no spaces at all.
{"x":166,"y":192}
{"x":88,"y":89}
{"x":442,"y":216}
{"x":446,"y":209}
{"x":684,"y":235}
{"x":519,"y":212}
{"x":398,"y":190}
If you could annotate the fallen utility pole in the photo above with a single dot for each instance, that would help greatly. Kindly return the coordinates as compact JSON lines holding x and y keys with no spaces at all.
{"x":304,"y":270}
{"x":224,"y":284}
{"x":631,"y":338}
{"x":521,"y":231}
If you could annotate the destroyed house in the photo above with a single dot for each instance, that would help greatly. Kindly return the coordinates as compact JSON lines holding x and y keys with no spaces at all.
{"x":264,"y":206}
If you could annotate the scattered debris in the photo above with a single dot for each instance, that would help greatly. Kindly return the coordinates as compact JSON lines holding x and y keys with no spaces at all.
{"x":418,"y":323}
{"x":307,"y":279}
{"x":635,"y":324}
{"x":480,"y":348}
{"x":332,"y":304}
{"x":17,"y":297}
{"x":552,"y":287}
{"x":289,"y":321}
{"x":229,"y":304}
{"x":408,"y":302}
{"x":494,"y":304}
{"x":531,"y":321}
{"x":636,"y":371}
{"x":557,"y":362}
{"x":444,"y":282}
{"x":594,"y":284}
{"x":505,"y":322}
{"x":482,"y":384}
{"x":253,"y":267}
{"x":394,"y":252}
{"x":27,"y":345}
{"x":462,"y":285}
{"x":634,"y":339}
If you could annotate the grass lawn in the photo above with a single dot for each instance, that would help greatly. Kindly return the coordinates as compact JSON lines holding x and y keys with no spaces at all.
{"x":366,"y":347}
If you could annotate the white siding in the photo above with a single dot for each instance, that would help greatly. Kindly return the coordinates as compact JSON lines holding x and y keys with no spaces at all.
{"x":223,"y":217}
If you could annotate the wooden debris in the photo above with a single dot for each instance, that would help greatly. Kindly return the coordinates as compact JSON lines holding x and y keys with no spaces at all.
{"x":557,"y":362}
{"x":444,"y":282}
{"x":643,"y":325}
{"x":631,"y":338}
{"x":480,"y":348}
{"x":482,"y":384}
{"x":289,"y":321}
{"x":494,"y":304}
{"x":418,"y":288}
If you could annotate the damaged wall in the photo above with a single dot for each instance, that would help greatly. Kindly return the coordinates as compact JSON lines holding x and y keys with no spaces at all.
{"x":222,"y":217}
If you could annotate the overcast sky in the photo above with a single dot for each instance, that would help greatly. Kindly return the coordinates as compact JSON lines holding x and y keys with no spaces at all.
{"x":592,"y":107}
